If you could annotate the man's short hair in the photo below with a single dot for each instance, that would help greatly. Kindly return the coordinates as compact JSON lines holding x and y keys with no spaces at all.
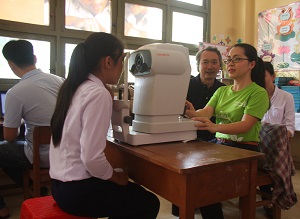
{"x":210,"y":49}
{"x":20,"y":52}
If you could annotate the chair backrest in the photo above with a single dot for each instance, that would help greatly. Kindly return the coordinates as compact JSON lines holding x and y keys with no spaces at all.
{"x":37,"y":175}
{"x":41,"y":135}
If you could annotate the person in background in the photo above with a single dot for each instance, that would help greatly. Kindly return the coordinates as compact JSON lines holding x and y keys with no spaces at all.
{"x":282,"y":109}
{"x":83,"y":181}
{"x":201,"y":89}
{"x":32,"y":100}
{"x":204,"y":85}
{"x":239,"y":107}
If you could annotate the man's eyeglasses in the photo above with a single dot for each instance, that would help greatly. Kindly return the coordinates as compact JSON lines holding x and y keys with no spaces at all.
{"x":234,"y":60}
{"x":214,"y":62}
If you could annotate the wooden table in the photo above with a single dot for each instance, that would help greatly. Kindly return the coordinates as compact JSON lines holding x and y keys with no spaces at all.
{"x":192,"y":174}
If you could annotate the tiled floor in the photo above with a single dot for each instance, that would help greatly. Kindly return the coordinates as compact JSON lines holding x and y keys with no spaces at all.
{"x":14,"y":198}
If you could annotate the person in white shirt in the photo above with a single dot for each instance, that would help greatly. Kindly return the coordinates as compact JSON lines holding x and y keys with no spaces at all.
{"x":32,"y":101}
{"x":282,"y":110}
{"x":83,"y":181}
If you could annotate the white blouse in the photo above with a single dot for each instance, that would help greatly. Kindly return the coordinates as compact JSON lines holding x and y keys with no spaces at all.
{"x":282,"y":110}
{"x":80,"y":154}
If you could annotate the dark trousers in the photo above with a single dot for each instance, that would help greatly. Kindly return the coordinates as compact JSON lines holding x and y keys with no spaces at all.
{"x":94,"y":197}
{"x":13,"y":160}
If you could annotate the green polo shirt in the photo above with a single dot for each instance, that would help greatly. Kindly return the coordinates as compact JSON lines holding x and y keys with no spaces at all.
{"x":230,"y":106}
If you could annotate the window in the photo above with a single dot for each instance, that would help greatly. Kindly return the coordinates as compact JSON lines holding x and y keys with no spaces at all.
{"x":194,"y":70}
{"x":130,"y":78}
{"x":68,"y":53}
{"x":56,"y":26}
{"x":31,"y":12}
{"x":187,"y":28}
{"x":143,"y":21}
{"x":88,"y":15}
{"x":194,"y":2}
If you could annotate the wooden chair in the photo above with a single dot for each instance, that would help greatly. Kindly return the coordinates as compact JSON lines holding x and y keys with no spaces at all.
{"x":37,"y":177}
{"x":276,"y":168}
{"x":262,"y":179}
{"x":276,"y":146}
{"x":7,"y":186}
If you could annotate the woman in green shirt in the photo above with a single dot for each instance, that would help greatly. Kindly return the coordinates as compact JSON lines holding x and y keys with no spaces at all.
{"x":239,"y":107}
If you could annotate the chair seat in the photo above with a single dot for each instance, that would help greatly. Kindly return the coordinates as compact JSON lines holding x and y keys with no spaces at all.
{"x":44,"y":207}
{"x":263,"y":178}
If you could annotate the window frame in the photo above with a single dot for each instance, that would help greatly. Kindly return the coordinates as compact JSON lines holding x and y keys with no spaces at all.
{"x":58,"y":35}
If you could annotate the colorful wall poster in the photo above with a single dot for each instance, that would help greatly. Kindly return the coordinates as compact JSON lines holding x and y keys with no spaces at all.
{"x":279,"y":36}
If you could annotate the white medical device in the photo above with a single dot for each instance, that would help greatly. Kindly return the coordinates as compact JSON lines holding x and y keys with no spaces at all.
{"x":162,"y":73}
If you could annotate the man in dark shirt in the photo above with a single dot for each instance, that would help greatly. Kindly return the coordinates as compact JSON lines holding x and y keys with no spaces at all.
{"x":201,"y":89}
{"x":203,"y":86}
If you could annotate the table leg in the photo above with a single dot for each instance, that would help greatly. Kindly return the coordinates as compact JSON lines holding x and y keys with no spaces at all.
{"x":248,"y":203}
{"x":186,"y":212}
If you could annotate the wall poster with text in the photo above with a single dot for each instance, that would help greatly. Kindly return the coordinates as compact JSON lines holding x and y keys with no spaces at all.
{"x":279,"y":36}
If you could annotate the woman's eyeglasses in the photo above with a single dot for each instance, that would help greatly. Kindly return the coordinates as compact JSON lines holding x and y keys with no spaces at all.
{"x":234,"y":60}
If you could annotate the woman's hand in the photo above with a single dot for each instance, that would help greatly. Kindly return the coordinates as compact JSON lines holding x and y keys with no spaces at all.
{"x":120,"y":178}
{"x":123,"y":178}
{"x":205,"y":124}
{"x":234,"y":128}
{"x":189,"y":110}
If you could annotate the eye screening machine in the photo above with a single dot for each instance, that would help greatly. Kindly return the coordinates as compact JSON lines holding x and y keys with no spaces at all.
{"x":162,"y":74}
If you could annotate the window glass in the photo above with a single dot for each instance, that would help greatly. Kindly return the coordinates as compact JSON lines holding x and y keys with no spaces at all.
{"x":194,"y":70}
{"x":41,"y":50}
{"x":31,"y":12}
{"x":194,"y":2}
{"x":131,"y":78}
{"x":89,"y":15}
{"x":68,"y":53}
{"x":142,"y":21}
{"x":181,"y":32}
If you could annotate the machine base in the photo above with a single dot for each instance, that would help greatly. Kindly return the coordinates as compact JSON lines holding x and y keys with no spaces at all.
{"x":139,"y":138}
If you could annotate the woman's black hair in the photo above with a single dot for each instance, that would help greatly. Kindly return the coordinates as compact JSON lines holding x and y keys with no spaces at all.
{"x":269,"y":67}
{"x":85,"y":59}
{"x":258,"y":72}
